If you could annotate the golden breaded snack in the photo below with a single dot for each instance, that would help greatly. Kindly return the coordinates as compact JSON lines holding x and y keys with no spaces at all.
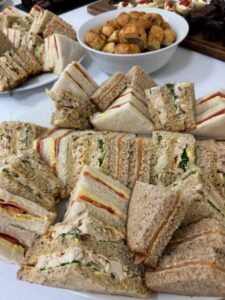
{"x":95,"y":40}
{"x":169,"y":37}
{"x":109,"y":47}
{"x":114,"y":37}
{"x":134,"y":33}
{"x":123,"y":48}
{"x":155,"y":38}
{"x":123,"y":19}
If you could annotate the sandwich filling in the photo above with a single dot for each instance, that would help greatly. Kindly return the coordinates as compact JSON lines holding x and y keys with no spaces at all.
{"x":11,"y":239}
{"x":83,"y":258}
{"x":197,"y":236}
{"x":216,"y":94}
{"x":206,"y":118}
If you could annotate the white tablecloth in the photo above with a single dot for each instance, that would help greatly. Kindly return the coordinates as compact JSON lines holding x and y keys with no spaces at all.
{"x":34,"y":105}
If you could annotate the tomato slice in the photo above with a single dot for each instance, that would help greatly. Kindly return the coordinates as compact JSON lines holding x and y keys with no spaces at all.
{"x":10,"y":239}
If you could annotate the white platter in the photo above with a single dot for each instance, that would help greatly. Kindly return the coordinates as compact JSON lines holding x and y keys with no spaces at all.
{"x":154,"y":296}
{"x":34,"y":82}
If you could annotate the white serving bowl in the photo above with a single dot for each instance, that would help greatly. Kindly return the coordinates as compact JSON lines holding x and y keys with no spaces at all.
{"x":149,"y":61}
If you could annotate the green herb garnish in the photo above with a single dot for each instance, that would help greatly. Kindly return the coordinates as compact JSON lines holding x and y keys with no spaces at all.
{"x":5,"y":170}
{"x":159,"y":137}
{"x":92,"y":267}
{"x":11,"y":93}
{"x":184,"y":160}
{"x":73,"y":234}
{"x":1,"y":136}
{"x":113,"y":276}
{"x":170,"y":88}
{"x":101,"y":147}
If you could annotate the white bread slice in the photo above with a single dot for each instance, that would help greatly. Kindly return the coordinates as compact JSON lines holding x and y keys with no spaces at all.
{"x":125,"y":118}
{"x":67,"y":82}
{"x":35,"y":11}
{"x":134,"y":100}
{"x":204,"y":106}
{"x":11,"y":252}
{"x":78,"y":73}
{"x":210,"y":123}
{"x":40,"y":20}
{"x":60,"y":51}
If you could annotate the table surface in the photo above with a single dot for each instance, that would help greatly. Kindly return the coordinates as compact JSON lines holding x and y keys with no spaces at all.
{"x":34,"y":105}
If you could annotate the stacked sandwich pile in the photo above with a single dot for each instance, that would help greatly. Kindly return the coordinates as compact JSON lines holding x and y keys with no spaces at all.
{"x":28,"y":192}
{"x":86,"y":251}
{"x":32,"y":44}
{"x":129,"y":102}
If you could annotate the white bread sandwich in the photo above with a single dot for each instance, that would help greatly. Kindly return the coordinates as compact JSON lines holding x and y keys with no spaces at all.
{"x":193,"y":263}
{"x":209,"y":101}
{"x":171,"y":106}
{"x":127,"y":113}
{"x":155,"y":213}
{"x":102,"y":268}
{"x":174,"y":153}
{"x":76,"y":80}
{"x":210,"y":122}
{"x":35,"y":12}
{"x":95,"y":188}
{"x":58,"y":25}
{"x":59,"y":52}
{"x":139,"y":80}
{"x":109,"y":91}
{"x":40,"y":19}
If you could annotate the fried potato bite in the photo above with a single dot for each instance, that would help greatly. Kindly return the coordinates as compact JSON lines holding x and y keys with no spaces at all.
{"x":114,"y":37}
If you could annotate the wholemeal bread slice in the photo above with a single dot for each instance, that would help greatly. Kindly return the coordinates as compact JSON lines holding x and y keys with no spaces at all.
{"x":6,"y":45}
{"x":109,"y":91}
{"x":197,"y":271}
{"x":139,"y":80}
{"x":155,"y":212}
{"x":58,"y":25}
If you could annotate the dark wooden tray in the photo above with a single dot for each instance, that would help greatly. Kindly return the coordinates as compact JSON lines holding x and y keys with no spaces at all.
{"x":195,"y":42}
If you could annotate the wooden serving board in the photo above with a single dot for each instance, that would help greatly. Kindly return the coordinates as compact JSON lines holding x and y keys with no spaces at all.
{"x":198,"y":44}
{"x":195,"y":42}
{"x":101,"y":6}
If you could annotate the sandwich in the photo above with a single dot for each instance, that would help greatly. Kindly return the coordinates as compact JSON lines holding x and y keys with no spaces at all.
{"x":75,"y":80}
{"x":128,"y":113}
{"x":20,"y":175}
{"x":58,"y":25}
{"x":7,"y":20}
{"x":18,"y":136}
{"x":102,"y":192}
{"x":209,"y":101}
{"x":40,"y":20}
{"x":95,"y":266}
{"x":14,"y":72}
{"x":33,"y":66}
{"x":21,"y":222}
{"x":140,"y":161}
{"x":155,"y":213}
{"x":11,"y":11}
{"x":46,"y":145}
{"x":171,"y":106}
{"x":139,"y":80}
{"x":22,"y":23}
{"x":196,"y":256}
{"x":6,"y":44}
{"x":109,"y":91}
{"x":208,"y":159}
{"x":25,"y":60}
{"x":35,"y":12}
{"x":210,"y":122}
{"x":206,"y":200}
{"x":59,"y":52}
{"x":174,"y":154}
